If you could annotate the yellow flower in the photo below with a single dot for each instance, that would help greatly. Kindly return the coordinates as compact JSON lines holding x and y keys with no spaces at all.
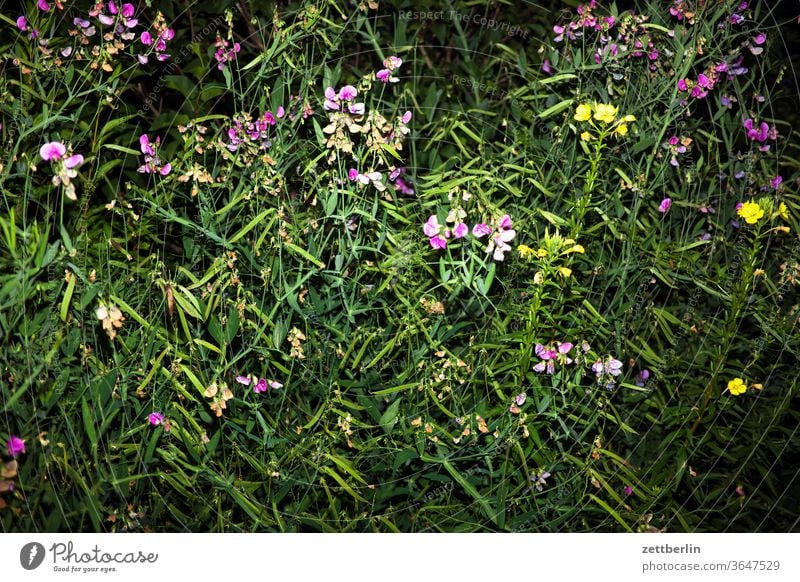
{"x":622,"y":129}
{"x":629,"y":119}
{"x":586,"y":136}
{"x":564,"y":271}
{"x":605,"y":113}
{"x":541,"y":253}
{"x":783,"y":229}
{"x":524,"y":251}
{"x":757,"y":386}
{"x":751,"y":212}
{"x":782,"y":211}
{"x":583,"y":113}
{"x":574,"y":249}
{"x":737,"y":386}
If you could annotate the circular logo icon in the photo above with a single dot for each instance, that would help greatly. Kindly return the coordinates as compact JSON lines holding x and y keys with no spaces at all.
{"x":31,"y":555}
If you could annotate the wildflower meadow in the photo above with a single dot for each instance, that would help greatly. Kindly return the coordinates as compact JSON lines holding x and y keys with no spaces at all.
{"x":367,"y":266}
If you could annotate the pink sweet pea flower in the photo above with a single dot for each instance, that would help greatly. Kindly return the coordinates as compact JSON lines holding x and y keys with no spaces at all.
{"x":243,"y":380}
{"x":406,"y":117}
{"x":274,"y":384}
{"x":15,"y":446}
{"x":22,"y":23}
{"x":43,"y":6}
{"x":260,"y":386}
{"x":438,"y":242}
{"x":52,"y":151}
{"x":73,"y":161}
{"x":461,"y":230}
{"x":480,"y":230}
{"x":155,"y":418}
{"x":352,"y":174}
{"x":347,"y":93}
{"x":664,"y":206}
{"x":431,"y":227}
{"x":146,"y":38}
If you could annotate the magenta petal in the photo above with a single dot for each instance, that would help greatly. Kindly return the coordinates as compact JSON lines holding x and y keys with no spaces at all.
{"x":243,"y":380}
{"x":104,"y":19}
{"x":73,"y":161}
{"x":15,"y":446}
{"x":52,"y":151}
{"x":261,"y":386}
{"x":165,"y":170}
{"x":438,"y":242}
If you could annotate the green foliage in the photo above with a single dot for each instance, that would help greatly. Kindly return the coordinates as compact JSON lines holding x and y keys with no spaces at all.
{"x":414,"y":393}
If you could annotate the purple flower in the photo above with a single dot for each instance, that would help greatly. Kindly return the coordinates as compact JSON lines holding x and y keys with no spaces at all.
{"x":461,"y":230}
{"x":347,"y":93}
{"x":540,"y":478}
{"x":776,"y":182}
{"x":383,"y":75}
{"x":243,"y":380}
{"x":760,"y":38}
{"x":756,"y":134}
{"x":664,"y":206}
{"x":152,"y":163}
{"x":438,"y":242}
{"x":356,"y":108}
{"x":520,"y":399}
{"x":546,"y":68}
{"x":628,"y":490}
{"x":260,"y":386}
{"x":563,"y":350}
{"x":547,"y":356}
{"x":43,"y":6}
{"x":480,"y":230}
{"x":642,"y":377}
{"x":406,"y":117}
{"x":274,"y":384}
{"x":52,"y":151}
{"x":73,"y":161}
{"x":682,"y":86}
{"x":15,"y":446}
{"x":704,"y":81}
{"x":155,"y":418}
{"x":22,"y":23}
{"x":431,"y":227}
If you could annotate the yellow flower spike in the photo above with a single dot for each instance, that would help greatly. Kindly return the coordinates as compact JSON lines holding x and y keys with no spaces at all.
{"x":541,"y":253}
{"x":525,"y":251}
{"x":605,"y":113}
{"x":737,"y":386}
{"x":586,"y":136}
{"x":621,"y":129}
{"x":564,"y":271}
{"x":583,"y":112}
{"x":751,"y":212}
{"x":782,"y":211}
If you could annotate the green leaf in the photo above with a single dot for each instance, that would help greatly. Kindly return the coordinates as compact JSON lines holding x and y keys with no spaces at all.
{"x":389,"y":416}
